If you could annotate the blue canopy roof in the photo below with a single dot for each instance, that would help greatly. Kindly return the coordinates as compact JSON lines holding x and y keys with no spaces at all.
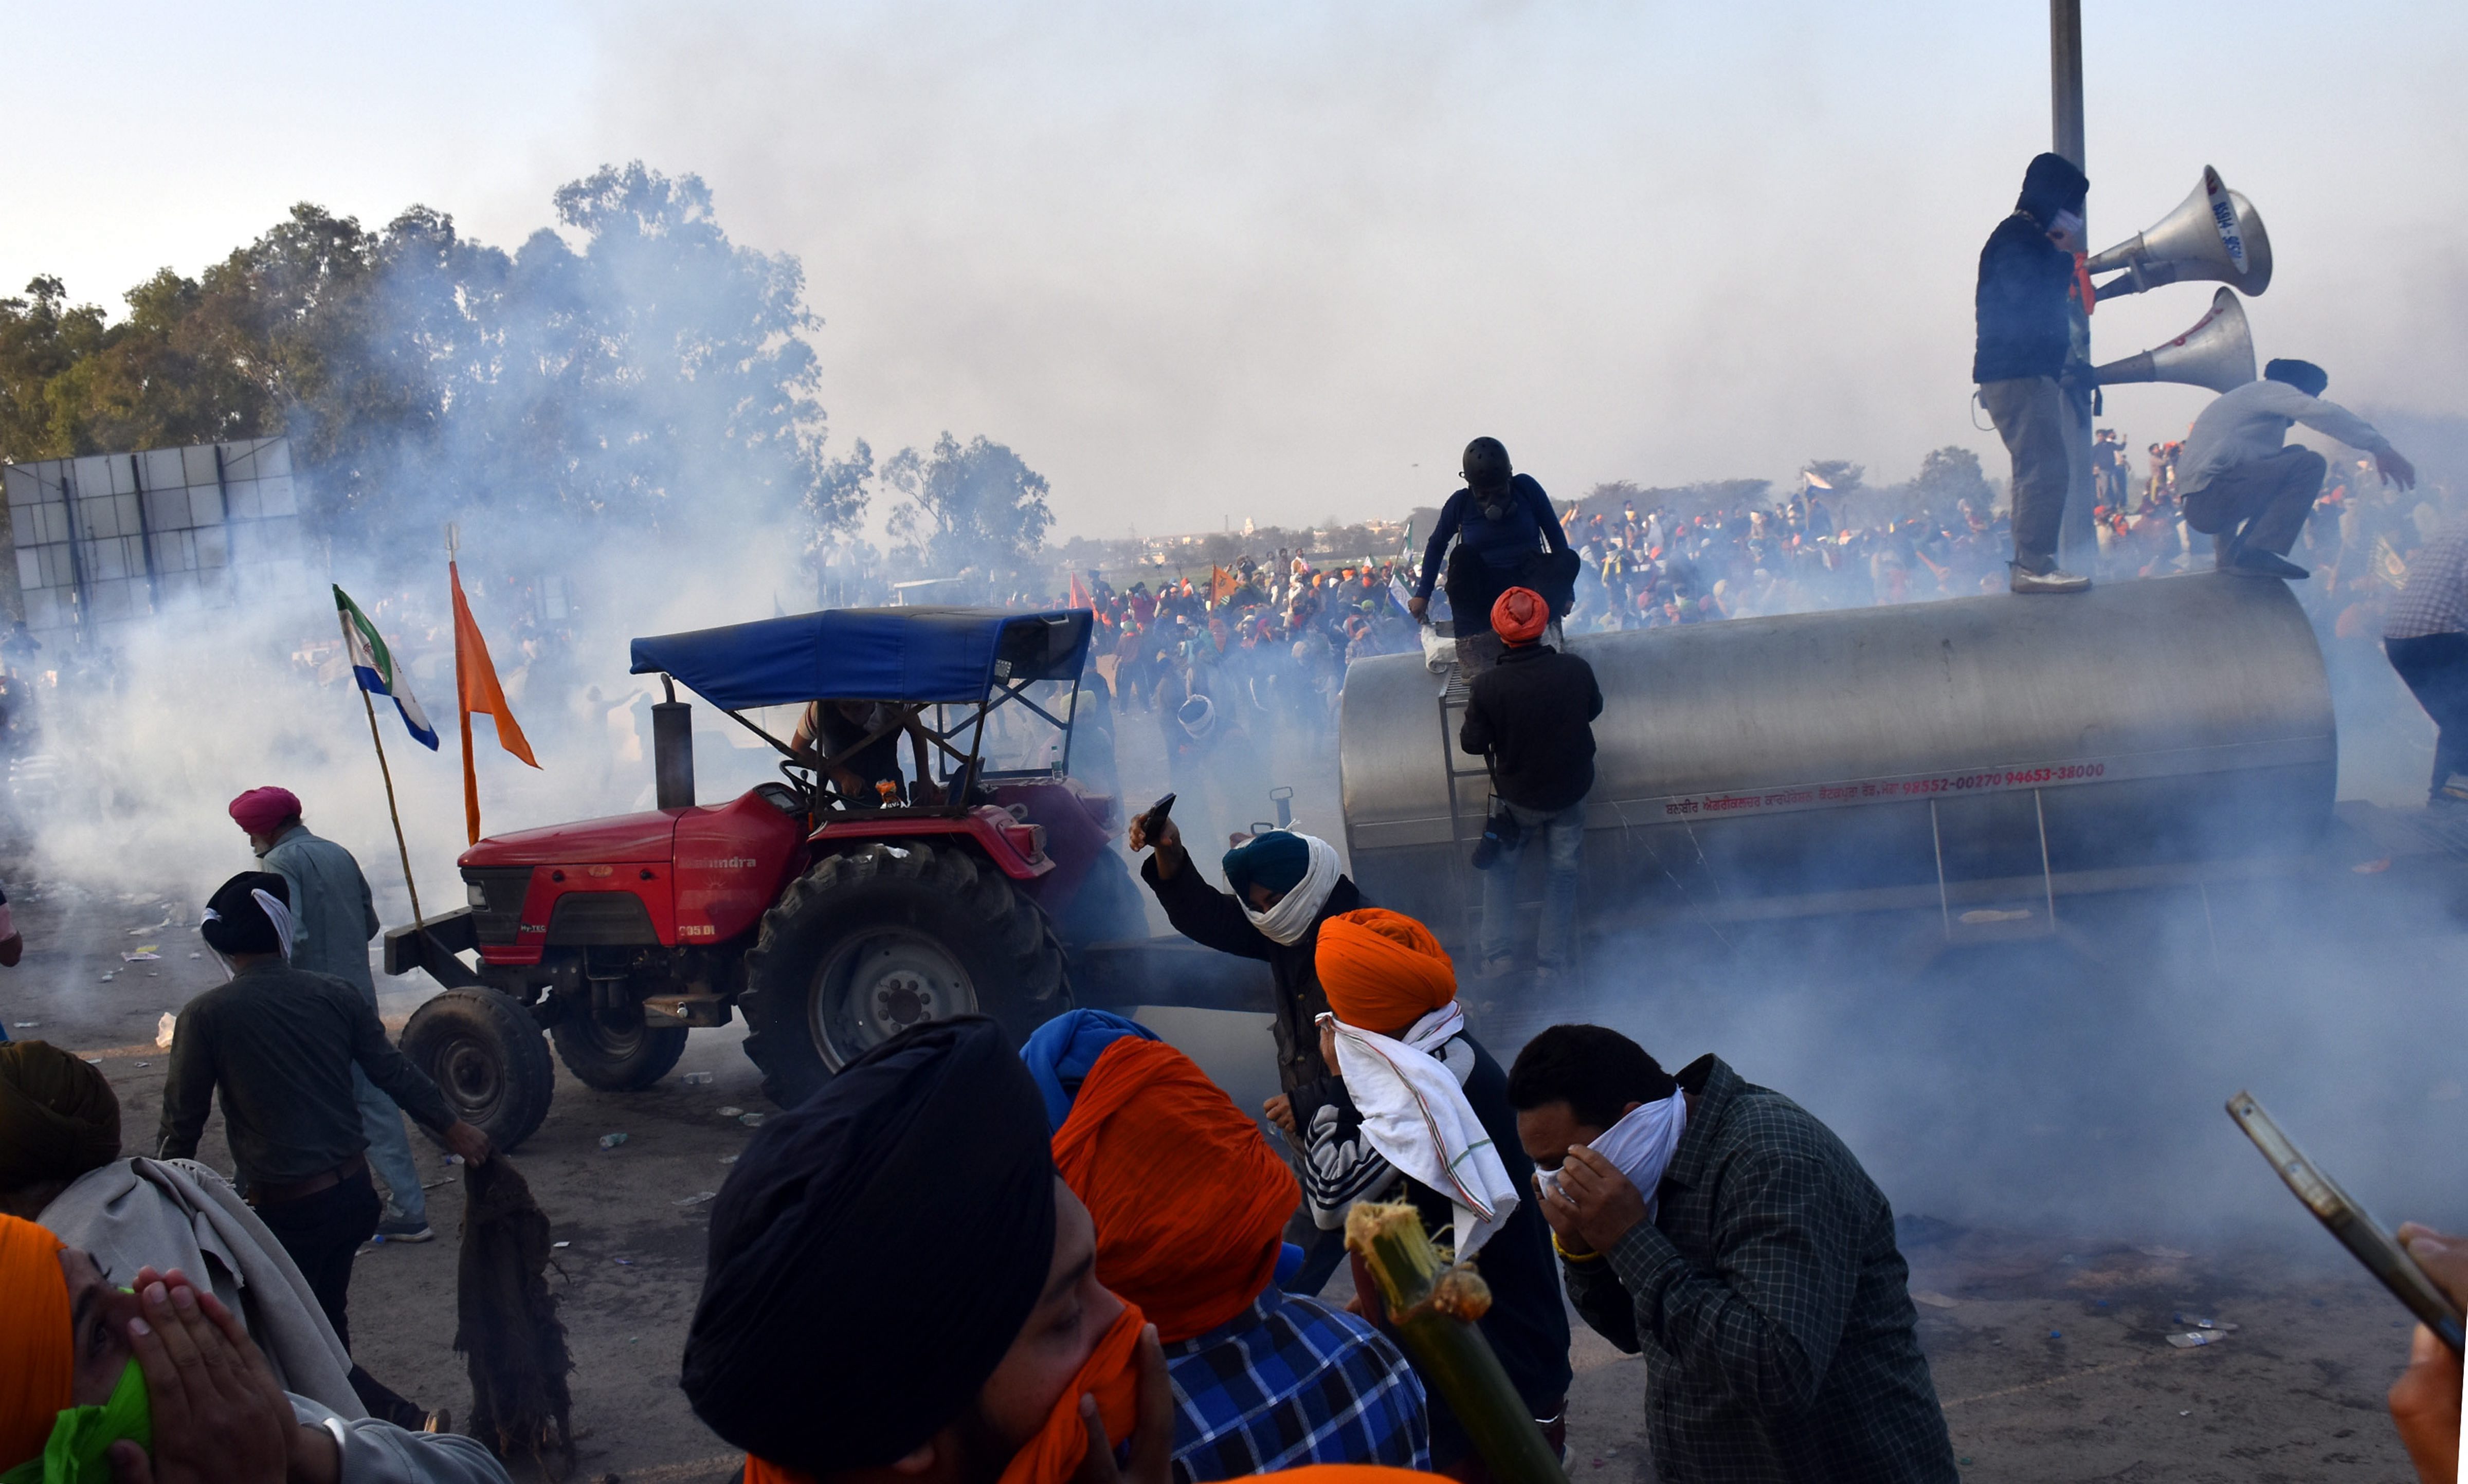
{"x":912,"y":654}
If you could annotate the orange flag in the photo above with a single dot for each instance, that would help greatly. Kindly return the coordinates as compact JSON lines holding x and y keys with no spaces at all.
{"x":1220,"y":584}
{"x":476,"y":689}
{"x":1078,"y":595}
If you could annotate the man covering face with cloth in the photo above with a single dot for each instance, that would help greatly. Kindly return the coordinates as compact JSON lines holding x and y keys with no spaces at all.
{"x":1429,"y":1122}
{"x":1284,"y":885}
{"x":1728,"y":1236}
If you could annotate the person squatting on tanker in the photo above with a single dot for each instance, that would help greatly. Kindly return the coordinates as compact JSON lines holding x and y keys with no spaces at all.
{"x":1530,"y":716}
{"x":332,"y":918}
{"x":1717,"y":1229}
{"x":2426,"y":638}
{"x":1285,"y":885}
{"x":1506,"y":535}
{"x":156,"y":1379}
{"x":2252,"y":494}
{"x":1190,"y":1207}
{"x":2031,"y":285}
{"x":1428,"y":1120}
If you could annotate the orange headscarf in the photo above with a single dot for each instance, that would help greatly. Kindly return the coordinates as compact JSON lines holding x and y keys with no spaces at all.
{"x":1111,"y":1374}
{"x":37,"y":1352}
{"x":1382,"y":970}
{"x":1521,"y":615}
{"x":1188,"y":1198}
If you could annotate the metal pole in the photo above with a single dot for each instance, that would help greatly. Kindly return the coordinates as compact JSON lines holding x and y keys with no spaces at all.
{"x":2077,"y":541}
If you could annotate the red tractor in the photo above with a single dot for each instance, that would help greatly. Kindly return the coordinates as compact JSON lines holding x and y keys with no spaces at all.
{"x":830,"y":917}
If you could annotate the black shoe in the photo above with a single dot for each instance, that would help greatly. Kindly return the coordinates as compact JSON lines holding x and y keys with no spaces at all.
{"x":2263,"y":563}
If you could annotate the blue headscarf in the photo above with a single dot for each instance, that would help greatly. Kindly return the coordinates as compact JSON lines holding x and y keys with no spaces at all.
{"x":1277,"y":861}
{"x":1066,"y":1047}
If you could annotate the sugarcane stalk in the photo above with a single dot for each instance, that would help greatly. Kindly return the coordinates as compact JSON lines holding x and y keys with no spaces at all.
{"x":1433,"y":1307}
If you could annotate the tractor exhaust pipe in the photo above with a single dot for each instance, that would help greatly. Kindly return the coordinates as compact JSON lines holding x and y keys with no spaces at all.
{"x":672,"y":768}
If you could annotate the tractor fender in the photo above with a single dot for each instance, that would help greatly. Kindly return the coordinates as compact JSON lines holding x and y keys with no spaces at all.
{"x":1016,"y":848}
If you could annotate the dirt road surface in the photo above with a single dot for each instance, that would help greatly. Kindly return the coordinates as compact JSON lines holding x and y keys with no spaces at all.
{"x":2048,"y":1351}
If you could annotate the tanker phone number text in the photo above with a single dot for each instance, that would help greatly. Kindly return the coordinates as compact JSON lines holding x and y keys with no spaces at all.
{"x":2011,"y":777}
{"x":1908,"y":787}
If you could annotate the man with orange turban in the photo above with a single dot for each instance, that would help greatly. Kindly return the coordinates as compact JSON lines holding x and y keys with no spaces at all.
{"x":158,"y":1380}
{"x":1428,"y":1120}
{"x":1190,"y":1205}
{"x":1530,"y":718}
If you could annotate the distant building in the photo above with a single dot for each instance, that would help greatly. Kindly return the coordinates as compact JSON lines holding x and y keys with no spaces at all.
{"x":110,"y":538}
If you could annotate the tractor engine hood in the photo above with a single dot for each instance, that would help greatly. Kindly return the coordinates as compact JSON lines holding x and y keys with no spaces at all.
{"x":623,"y":838}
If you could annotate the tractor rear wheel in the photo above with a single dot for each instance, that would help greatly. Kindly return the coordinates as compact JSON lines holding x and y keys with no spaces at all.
{"x":867,"y":944}
{"x":486,"y":1055}
{"x":619,"y":1057}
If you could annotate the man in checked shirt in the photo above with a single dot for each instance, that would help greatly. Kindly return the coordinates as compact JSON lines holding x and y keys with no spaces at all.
{"x":1725,"y":1232}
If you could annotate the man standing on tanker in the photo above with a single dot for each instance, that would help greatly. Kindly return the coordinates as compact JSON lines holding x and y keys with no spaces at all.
{"x":2028,"y":274}
{"x":1506,"y":536}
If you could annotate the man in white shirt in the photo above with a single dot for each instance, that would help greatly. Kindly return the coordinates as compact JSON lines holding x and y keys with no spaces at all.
{"x":2243,"y":487}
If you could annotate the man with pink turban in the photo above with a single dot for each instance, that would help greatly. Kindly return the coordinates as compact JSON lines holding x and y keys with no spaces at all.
{"x":333,"y":919}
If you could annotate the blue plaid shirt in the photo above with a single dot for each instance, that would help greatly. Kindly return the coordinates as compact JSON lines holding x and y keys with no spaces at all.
{"x":1290,"y":1381}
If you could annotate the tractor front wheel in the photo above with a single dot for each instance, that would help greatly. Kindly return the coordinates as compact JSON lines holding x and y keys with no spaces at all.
{"x":486,"y":1055}
{"x":867,"y":944}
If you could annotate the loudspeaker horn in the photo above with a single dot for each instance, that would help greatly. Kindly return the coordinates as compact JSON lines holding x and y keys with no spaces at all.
{"x":2214,"y":235}
{"x":2217,"y":352}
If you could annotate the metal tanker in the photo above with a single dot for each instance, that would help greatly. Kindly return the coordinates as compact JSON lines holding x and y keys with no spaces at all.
{"x":1978,"y":758}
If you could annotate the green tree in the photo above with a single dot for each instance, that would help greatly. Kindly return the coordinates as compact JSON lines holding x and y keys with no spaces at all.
{"x":974,"y":507}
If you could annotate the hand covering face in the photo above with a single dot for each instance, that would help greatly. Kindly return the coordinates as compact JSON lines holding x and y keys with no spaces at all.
{"x":1640,"y":1146}
{"x":1060,"y":1053}
{"x":1111,"y":1374}
{"x":875,"y":1253}
{"x":58,"y":1115}
{"x":1188,"y":1199}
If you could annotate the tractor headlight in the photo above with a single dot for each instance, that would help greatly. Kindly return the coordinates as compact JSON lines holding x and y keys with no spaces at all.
{"x":476,"y":894}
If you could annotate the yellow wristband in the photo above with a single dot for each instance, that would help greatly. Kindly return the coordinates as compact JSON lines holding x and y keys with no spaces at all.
{"x":1573,"y":1257}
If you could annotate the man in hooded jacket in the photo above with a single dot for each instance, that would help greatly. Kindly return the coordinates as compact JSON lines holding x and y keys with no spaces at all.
{"x":2028,"y":274}
{"x":1284,"y":885}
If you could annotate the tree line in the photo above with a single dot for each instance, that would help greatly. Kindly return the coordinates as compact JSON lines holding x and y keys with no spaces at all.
{"x":636,"y":372}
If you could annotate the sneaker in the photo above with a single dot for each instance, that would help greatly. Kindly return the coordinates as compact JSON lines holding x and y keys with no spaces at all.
{"x":2263,"y":563}
{"x":2051,"y":581}
{"x":1497,"y":966}
{"x":403,"y":1228}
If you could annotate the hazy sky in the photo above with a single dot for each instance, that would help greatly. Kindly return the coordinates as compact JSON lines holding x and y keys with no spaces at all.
{"x":1197,"y":262}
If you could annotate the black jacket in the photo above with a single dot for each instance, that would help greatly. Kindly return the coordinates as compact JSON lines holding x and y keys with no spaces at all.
{"x":1533,"y":713}
{"x":2024,"y":322}
{"x":1214,"y":920}
{"x":279,"y":1044}
{"x":1770,"y":1303}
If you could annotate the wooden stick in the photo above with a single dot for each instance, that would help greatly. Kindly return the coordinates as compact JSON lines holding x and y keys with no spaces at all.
{"x":370,"y":707}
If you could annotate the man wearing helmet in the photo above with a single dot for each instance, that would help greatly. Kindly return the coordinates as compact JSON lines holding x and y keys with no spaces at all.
{"x":1506,"y":536}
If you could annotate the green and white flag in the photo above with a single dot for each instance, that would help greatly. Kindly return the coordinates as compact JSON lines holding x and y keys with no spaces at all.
{"x":373,"y":666}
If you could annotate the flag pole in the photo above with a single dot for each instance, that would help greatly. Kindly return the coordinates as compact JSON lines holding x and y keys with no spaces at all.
{"x":387,"y":773}
{"x":462,"y":701}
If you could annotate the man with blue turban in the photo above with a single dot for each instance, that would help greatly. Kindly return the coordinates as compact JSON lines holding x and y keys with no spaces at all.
{"x":1284,"y":884}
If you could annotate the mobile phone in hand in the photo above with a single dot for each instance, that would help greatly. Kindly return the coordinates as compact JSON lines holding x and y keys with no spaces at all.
{"x":1155,"y":818}
{"x":2381,"y":1253}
